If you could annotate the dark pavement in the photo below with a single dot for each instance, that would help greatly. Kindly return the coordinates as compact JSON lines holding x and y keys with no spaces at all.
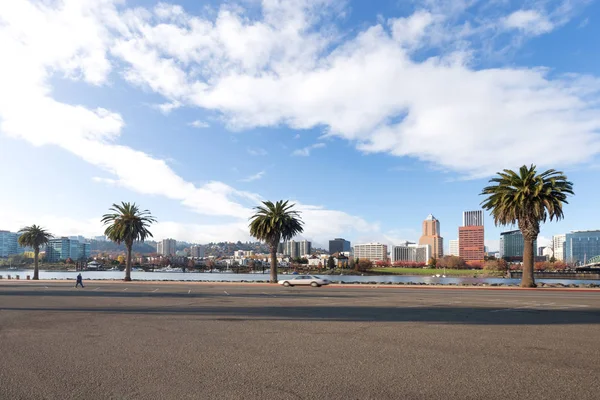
{"x":117,"y":340}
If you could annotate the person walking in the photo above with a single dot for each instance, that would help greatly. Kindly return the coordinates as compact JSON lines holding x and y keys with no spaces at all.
{"x":79,"y":281}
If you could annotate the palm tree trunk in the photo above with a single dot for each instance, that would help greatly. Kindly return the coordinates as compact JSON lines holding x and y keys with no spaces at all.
{"x":128,"y":264}
{"x":274,"y":264}
{"x":527,"y":280}
{"x":36,"y":271}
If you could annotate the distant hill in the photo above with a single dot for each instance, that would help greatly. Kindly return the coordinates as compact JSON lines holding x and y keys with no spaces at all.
{"x":97,"y":246}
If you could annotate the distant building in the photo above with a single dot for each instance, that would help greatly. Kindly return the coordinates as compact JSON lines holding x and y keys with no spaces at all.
{"x":547,"y":253}
{"x":431,"y":236}
{"x":371,"y":251}
{"x":339,"y":245}
{"x":512,"y":245}
{"x":473,"y":218}
{"x":454,"y":247}
{"x":8,"y":243}
{"x":100,"y":238}
{"x":408,"y":251}
{"x":167,"y":247}
{"x":197,"y":251}
{"x":558,"y":246}
{"x":60,"y":249}
{"x":540,"y":251}
{"x":297,"y":249}
{"x":470,"y":241}
{"x":581,"y":246}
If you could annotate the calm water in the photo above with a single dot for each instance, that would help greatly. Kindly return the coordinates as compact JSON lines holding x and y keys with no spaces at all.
{"x":206,"y":276}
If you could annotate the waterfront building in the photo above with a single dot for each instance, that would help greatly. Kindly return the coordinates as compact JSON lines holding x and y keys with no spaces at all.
{"x":58,"y":249}
{"x":167,"y":247}
{"x":431,"y":236}
{"x":339,"y":245}
{"x":454,"y":249}
{"x":197,"y":251}
{"x":8,"y":243}
{"x":408,"y":251}
{"x":558,"y":246}
{"x":304,"y":248}
{"x":581,"y":246}
{"x":512,"y":245}
{"x":371,"y":251}
{"x":471,"y":236}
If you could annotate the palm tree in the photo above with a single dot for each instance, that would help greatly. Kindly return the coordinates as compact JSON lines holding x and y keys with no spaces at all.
{"x":273,"y":223}
{"x":127,"y":224}
{"x":34,"y":236}
{"x":527,"y":198}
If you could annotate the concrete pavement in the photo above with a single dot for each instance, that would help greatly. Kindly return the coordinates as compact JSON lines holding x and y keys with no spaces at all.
{"x":128,"y":340}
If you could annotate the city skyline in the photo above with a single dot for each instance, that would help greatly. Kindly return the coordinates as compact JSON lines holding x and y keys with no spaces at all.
{"x":417,"y":114}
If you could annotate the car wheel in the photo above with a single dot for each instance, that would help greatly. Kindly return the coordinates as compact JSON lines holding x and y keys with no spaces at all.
{"x":314,"y":284}
{"x":286,"y":284}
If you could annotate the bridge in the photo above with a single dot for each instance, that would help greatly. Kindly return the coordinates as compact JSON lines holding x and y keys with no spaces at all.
{"x":593,"y":262}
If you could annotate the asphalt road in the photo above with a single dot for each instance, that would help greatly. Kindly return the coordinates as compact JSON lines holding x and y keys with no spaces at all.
{"x":212,"y":341}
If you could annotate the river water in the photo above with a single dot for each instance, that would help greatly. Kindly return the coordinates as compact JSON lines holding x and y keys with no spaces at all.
{"x":232,"y":277}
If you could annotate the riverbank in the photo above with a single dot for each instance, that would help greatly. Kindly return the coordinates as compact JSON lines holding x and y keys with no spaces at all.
{"x":470,"y":273}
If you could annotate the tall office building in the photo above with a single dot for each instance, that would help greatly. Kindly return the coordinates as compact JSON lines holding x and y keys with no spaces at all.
{"x":454,"y":249}
{"x":167,"y":247}
{"x":197,"y":251}
{"x":582,"y":246}
{"x":304,"y":248}
{"x":8,"y":243}
{"x":431,"y":236}
{"x":408,"y":251}
{"x":60,"y":249}
{"x":473,"y":218}
{"x":339,"y":245}
{"x":558,"y":246}
{"x":371,"y":251}
{"x":471,"y":236}
{"x":512,"y":245}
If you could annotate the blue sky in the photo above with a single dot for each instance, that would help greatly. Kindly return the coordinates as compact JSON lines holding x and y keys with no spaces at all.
{"x":369,"y":115}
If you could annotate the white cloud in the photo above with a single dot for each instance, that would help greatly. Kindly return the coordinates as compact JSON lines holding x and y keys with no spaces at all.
{"x":530,"y":21}
{"x":199,"y":124}
{"x":166,"y":108}
{"x":410,"y":31}
{"x":305,"y":152}
{"x":254,"y":177}
{"x":257,"y":151}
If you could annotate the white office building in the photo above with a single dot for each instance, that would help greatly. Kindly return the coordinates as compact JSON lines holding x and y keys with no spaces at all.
{"x":371,"y":251}
{"x":167,"y":247}
{"x":408,"y":251}
{"x":454,"y":249}
{"x":558,"y":246}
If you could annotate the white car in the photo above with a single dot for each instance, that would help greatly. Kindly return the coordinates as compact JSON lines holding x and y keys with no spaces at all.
{"x":311,"y":280}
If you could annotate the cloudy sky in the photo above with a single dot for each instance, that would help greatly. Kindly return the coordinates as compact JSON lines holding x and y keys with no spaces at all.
{"x":369,"y":115}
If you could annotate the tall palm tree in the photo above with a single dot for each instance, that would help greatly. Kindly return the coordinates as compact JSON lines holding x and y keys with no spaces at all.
{"x":127,"y":224}
{"x":34,"y":236}
{"x":273,"y":223}
{"x":527,"y":198}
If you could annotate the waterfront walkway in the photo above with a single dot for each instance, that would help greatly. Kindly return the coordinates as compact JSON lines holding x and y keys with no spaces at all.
{"x":215,"y":341}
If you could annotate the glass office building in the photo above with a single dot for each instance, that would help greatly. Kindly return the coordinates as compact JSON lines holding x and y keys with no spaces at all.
{"x":8,"y":243}
{"x":512,"y":246}
{"x":581,"y":246}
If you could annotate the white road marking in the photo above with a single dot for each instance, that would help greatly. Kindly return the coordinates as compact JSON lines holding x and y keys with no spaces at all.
{"x":225,"y":291}
{"x":124,"y":289}
{"x":155,"y":290}
{"x":267,"y":294}
{"x":45,"y":287}
{"x":189,"y":291}
{"x":96,"y":289}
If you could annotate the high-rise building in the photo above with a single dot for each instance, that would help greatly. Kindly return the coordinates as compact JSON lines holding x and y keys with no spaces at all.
{"x":197,"y":251}
{"x":297,"y":249}
{"x":471,"y":235}
{"x":8,"y":243}
{"x":512,"y":245}
{"x":454,"y":249}
{"x":371,"y":251}
{"x":60,"y":249}
{"x":470,"y":243}
{"x":408,"y":251}
{"x":339,"y":245}
{"x":167,"y":247}
{"x":581,"y":246}
{"x":558,"y":246}
{"x":473,"y":218}
{"x":431,"y":236}
{"x":540,"y":251}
